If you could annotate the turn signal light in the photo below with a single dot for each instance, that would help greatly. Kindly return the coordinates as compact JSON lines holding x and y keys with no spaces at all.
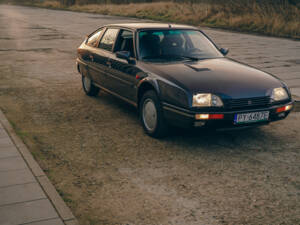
{"x":209,"y":116}
{"x":284,"y":108}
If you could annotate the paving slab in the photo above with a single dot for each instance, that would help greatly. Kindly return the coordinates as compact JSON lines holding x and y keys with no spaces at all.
{"x":8,"y":178}
{"x":47,"y":222}
{"x":21,"y":193}
{"x":9,"y":152}
{"x":2,"y":133}
{"x":27,"y":212}
{"x":12,"y":163}
{"x":5,"y":142}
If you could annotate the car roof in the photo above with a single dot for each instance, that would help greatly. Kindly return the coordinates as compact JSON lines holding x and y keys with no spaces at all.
{"x":139,"y":26}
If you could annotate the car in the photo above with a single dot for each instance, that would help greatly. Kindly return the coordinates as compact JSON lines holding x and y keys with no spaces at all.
{"x":175,"y":75}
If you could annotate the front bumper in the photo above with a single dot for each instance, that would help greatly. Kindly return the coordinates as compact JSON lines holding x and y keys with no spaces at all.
{"x":187,"y":118}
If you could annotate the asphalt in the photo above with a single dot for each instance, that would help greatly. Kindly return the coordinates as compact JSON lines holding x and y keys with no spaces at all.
{"x":279,"y":56}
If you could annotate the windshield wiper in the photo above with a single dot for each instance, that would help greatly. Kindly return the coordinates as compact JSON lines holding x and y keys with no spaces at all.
{"x":183,"y":57}
{"x":189,"y":57}
{"x":171,"y":56}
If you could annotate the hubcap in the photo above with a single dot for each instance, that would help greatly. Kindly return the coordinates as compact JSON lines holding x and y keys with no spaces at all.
{"x":149,"y":115}
{"x":87,"y":83}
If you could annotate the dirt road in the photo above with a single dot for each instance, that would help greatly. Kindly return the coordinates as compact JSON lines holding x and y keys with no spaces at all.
{"x":107,"y":170}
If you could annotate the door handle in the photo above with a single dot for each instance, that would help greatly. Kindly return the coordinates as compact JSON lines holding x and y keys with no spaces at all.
{"x":108,"y":63}
{"x":92,"y":58}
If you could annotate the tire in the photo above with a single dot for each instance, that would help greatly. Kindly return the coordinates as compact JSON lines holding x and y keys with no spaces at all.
{"x":151,"y":115}
{"x":88,"y":87}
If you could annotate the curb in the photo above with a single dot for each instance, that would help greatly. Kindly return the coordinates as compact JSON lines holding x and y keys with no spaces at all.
{"x":62,"y":209}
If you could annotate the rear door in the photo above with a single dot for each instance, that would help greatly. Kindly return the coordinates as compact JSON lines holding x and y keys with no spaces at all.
{"x":91,"y":45}
{"x":101,"y":58}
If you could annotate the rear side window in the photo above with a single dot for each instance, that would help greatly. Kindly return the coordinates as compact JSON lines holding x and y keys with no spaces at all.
{"x":108,"y":39}
{"x":93,"y":40}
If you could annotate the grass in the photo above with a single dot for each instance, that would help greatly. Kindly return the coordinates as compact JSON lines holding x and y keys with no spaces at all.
{"x":281,"y":20}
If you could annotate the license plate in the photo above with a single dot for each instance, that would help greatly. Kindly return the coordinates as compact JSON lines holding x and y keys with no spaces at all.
{"x":251,"y":117}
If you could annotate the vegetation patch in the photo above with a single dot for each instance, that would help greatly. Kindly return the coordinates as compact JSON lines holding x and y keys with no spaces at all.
{"x":279,"y":18}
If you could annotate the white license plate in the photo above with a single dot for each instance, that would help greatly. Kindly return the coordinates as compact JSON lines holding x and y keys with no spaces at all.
{"x":251,"y":117}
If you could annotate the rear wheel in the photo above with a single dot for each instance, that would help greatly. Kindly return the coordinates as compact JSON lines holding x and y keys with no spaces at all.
{"x":89,"y":88}
{"x":151,"y":115}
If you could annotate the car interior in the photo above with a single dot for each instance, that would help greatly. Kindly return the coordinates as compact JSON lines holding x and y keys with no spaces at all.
{"x":125,"y":42}
{"x":156,"y":44}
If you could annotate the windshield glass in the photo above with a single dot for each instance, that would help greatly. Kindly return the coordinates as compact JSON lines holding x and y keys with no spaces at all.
{"x":171,"y":45}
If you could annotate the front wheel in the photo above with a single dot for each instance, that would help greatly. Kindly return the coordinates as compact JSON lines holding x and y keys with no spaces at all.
{"x":151,"y":115}
{"x":89,"y":88}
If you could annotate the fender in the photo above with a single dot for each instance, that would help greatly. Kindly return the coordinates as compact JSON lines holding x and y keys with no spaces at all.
{"x":167,"y":91}
{"x":149,"y":81}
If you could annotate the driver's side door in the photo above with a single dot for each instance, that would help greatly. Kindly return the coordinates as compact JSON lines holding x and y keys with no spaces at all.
{"x":123,"y":73}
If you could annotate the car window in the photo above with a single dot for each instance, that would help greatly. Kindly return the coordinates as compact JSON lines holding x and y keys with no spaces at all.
{"x":201,"y":43}
{"x":166,"y":45}
{"x":125,"y":42}
{"x":93,"y":40}
{"x":108,"y":39}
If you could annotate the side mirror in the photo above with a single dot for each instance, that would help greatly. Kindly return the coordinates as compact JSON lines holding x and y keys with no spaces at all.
{"x":123,"y":55}
{"x":224,"y":51}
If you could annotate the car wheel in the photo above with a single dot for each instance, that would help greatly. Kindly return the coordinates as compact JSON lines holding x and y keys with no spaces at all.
{"x":151,"y":115}
{"x":88,"y":87}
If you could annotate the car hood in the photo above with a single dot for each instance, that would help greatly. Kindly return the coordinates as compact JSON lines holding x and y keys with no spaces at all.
{"x":221,"y":76}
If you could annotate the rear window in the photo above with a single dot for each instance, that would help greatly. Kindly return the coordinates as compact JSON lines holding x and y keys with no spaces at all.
{"x":93,"y":40}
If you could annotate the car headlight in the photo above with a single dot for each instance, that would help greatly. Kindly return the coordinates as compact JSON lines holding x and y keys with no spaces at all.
{"x":207,"y":100}
{"x":279,"y":94}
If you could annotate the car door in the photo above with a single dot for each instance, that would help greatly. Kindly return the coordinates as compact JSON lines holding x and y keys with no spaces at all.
{"x":123,"y":72}
{"x":101,"y":57}
{"x":91,"y":45}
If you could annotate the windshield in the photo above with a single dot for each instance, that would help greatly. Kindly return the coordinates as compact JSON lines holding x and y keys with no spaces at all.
{"x":172,"y":45}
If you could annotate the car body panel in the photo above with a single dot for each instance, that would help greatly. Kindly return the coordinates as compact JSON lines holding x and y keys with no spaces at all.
{"x":176,"y":82}
{"x":234,"y":80}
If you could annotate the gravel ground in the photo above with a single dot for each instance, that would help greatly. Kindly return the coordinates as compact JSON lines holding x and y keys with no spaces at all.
{"x":107,"y":170}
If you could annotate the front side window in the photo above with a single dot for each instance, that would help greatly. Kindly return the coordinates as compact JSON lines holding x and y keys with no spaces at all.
{"x":125,"y":42}
{"x":93,"y":40}
{"x":108,"y":39}
{"x":172,"y":45}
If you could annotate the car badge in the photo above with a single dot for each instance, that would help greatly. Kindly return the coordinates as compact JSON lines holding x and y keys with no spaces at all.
{"x":249,"y":102}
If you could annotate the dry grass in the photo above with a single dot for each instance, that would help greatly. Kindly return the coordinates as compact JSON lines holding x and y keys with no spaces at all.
{"x":271,"y":19}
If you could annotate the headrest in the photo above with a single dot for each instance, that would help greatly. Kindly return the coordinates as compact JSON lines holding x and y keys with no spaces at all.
{"x":172,"y":41}
{"x":150,"y":39}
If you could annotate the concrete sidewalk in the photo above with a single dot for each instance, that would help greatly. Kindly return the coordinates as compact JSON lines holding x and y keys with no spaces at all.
{"x":26,"y":194}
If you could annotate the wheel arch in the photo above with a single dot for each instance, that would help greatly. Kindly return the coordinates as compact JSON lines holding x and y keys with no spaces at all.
{"x":145,"y":86}
{"x":78,"y":67}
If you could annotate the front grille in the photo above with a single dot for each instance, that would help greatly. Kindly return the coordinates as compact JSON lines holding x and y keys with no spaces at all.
{"x":247,"y":102}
